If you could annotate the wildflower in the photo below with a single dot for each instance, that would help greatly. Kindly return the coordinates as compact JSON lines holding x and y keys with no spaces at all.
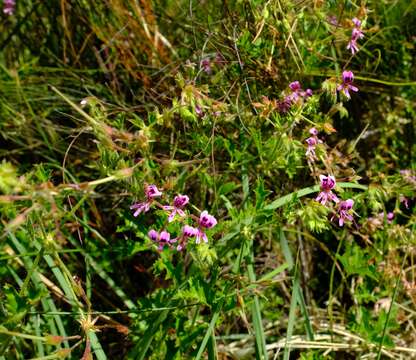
{"x":307,"y":93}
{"x":356,"y":22}
{"x":313,"y":131}
{"x":377,"y":221}
{"x":295,"y":86}
{"x":297,"y":92}
{"x":163,"y":238}
{"x":409,"y":176}
{"x":284,"y":105}
{"x":332,"y":19}
{"x":206,"y":221}
{"x":356,"y":34}
{"x":187,"y":232}
{"x":153,"y":235}
{"x":310,"y":152}
{"x":206,"y":65}
{"x":404,"y":200}
{"x":344,"y":210}
{"x":9,"y":7}
{"x":151,"y":192}
{"x":312,"y":142}
{"x":346,"y":86}
{"x":390,"y":216}
{"x":199,"y":111}
{"x":327,"y":184}
{"x":179,"y":202}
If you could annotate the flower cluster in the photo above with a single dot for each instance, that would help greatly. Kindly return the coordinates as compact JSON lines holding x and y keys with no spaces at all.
{"x":344,"y":207}
{"x":312,"y":141}
{"x":9,"y":7}
{"x":297,"y":95}
{"x":355,"y":35}
{"x":175,"y":210}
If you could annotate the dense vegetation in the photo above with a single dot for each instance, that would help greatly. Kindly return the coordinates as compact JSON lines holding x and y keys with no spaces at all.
{"x":207,"y":179}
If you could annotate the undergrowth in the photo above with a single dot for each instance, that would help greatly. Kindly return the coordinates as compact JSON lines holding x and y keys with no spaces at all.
{"x":220,"y":180}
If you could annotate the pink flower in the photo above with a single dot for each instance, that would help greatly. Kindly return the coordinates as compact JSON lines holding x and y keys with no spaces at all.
{"x":352,"y":45}
{"x":187,"y":232}
{"x":347,"y":79}
{"x":295,"y":86}
{"x":9,"y":7}
{"x":310,"y":152}
{"x":313,"y":131}
{"x":179,"y":202}
{"x":404,"y":200}
{"x":297,"y":92}
{"x":312,"y":142}
{"x":344,"y":211}
{"x":153,"y":235}
{"x":206,"y":221}
{"x":151,"y":192}
{"x":206,"y":65}
{"x":356,"y":22}
{"x":163,"y":238}
{"x":356,"y":34}
{"x":199,"y":111}
{"x":332,"y":19}
{"x":327,"y":184}
{"x":284,"y":105}
{"x":308,"y":93}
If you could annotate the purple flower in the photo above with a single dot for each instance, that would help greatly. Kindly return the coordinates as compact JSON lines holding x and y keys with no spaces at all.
{"x":327,"y":184}
{"x":312,"y":142}
{"x":9,"y":6}
{"x":153,"y":235}
{"x":313,"y":131}
{"x":310,"y":152}
{"x":163,"y":238}
{"x":295,"y":86}
{"x":356,"y":34}
{"x":179,"y":202}
{"x":404,"y":200}
{"x":344,"y":210}
{"x":206,"y":221}
{"x":352,"y":45}
{"x":332,"y":19}
{"x":151,"y":192}
{"x":206,"y":65}
{"x":389,"y":217}
{"x":356,"y":22}
{"x":284,"y":105}
{"x":199,"y":111}
{"x":308,"y":93}
{"x":409,"y":176}
{"x":347,"y":79}
{"x":187,"y":232}
{"x":297,"y":92}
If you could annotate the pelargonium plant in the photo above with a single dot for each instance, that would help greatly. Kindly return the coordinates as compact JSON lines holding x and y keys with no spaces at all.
{"x":175,"y":211}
